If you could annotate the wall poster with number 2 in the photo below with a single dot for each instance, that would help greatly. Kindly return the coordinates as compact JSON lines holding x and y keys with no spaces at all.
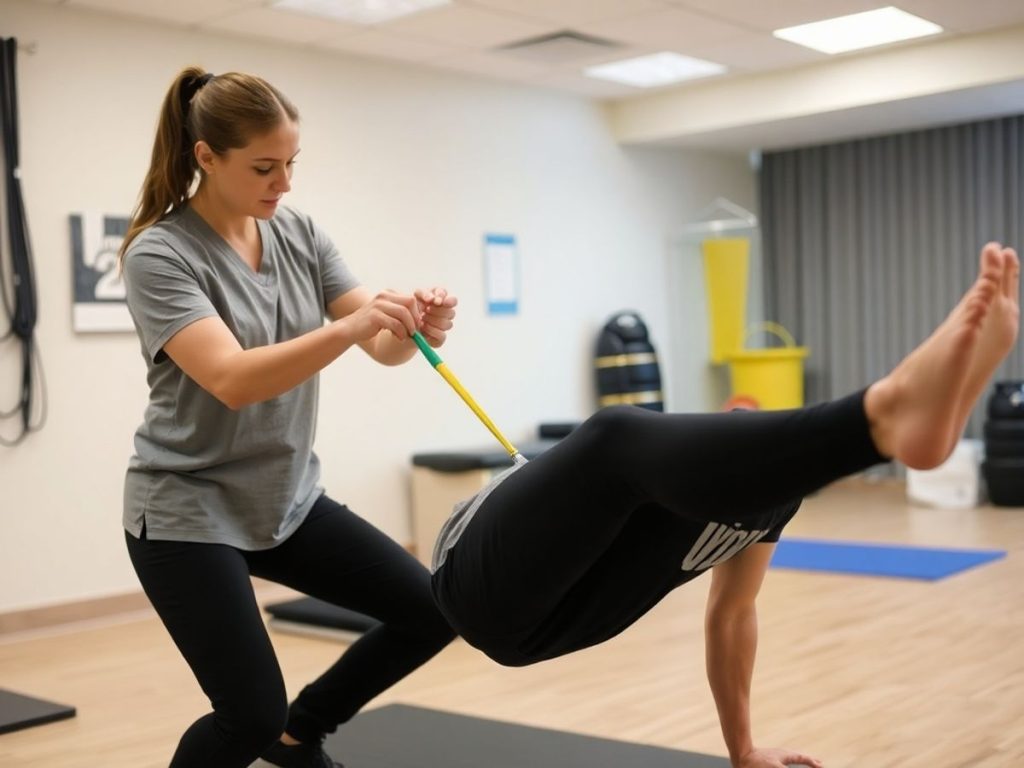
{"x":99,"y":295}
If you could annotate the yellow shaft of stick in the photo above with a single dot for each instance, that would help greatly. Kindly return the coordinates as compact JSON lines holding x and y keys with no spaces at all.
{"x":454,"y":382}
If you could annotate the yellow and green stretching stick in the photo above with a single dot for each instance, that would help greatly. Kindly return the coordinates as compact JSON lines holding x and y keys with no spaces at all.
{"x":441,"y":368}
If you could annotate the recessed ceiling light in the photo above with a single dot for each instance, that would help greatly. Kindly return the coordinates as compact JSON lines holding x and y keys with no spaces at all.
{"x":859,"y":30}
{"x":358,"y":11}
{"x":656,"y":69}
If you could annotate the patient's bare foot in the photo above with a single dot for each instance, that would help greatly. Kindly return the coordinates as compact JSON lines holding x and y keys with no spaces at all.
{"x":917,"y":412}
{"x":998,"y":336}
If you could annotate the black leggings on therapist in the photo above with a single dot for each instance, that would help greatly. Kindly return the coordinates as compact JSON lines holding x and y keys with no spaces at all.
{"x":204,"y":596}
{"x":578,"y":544}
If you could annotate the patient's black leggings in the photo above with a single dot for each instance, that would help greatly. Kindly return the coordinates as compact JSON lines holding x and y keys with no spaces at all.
{"x":578,"y":544}
{"x":204,"y":596}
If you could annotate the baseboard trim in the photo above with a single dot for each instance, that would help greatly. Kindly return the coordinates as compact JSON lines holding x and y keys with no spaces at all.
{"x":72,"y":612}
{"x":31,"y":619}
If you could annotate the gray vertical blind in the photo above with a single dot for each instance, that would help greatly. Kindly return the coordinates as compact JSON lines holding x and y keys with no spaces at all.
{"x":868,"y":244}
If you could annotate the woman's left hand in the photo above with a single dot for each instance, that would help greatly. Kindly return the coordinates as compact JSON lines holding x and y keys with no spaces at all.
{"x":438,"y":314}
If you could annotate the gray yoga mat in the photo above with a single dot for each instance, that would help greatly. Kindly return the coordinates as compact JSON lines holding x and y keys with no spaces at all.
{"x":400,"y":736}
{"x":18,"y":711}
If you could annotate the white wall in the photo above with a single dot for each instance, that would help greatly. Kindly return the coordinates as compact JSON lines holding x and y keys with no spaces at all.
{"x":406,"y":170}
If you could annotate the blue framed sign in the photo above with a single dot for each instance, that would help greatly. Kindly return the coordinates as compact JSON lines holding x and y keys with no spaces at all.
{"x":501,"y":274}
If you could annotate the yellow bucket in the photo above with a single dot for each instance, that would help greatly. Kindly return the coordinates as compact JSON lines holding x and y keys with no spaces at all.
{"x":725,"y":278}
{"x":773,"y":377}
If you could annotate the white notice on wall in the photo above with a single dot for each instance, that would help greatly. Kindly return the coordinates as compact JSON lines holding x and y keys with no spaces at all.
{"x":501,"y":274}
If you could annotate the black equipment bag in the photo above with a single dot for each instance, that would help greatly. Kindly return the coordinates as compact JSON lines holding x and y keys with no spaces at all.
{"x":627,"y":365}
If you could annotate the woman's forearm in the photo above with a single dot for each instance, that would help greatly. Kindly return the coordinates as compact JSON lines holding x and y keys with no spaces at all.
{"x":731,"y":643}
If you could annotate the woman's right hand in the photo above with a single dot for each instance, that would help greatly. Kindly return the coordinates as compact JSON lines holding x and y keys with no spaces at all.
{"x":399,"y":313}
{"x":777,"y":758}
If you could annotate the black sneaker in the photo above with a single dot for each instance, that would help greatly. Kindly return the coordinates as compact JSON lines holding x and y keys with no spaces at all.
{"x":306,"y":755}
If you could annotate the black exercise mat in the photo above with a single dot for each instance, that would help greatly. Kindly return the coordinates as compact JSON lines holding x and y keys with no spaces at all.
{"x":484,"y":458}
{"x":18,"y":711}
{"x":400,"y":736}
{"x":307,"y":615}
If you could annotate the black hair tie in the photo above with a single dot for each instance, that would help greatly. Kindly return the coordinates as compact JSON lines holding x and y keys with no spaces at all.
{"x":191,"y":87}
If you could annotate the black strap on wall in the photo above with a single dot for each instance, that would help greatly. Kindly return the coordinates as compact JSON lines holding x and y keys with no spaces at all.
{"x":17,"y":284}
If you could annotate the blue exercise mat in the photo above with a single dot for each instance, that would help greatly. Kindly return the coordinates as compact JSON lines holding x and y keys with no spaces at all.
{"x":924,"y":563}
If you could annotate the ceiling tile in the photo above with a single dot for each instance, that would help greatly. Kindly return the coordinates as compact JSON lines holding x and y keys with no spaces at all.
{"x":379,"y":44}
{"x":490,"y":65}
{"x":769,"y":16}
{"x":574,"y":82}
{"x":281,"y":25}
{"x":757,"y":53}
{"x":467,"y":26}
{"x":570,"y":13}
{"x":962,"y":16}
{"x":669,"y":29}
{"x":186,"y":13}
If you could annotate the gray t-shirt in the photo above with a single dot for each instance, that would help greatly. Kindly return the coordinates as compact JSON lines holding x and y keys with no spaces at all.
{"x":462,"y":513}
{"x":202,"y":472}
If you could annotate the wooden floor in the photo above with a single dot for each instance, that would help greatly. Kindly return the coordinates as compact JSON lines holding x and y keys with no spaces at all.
{"x":864,"y":672}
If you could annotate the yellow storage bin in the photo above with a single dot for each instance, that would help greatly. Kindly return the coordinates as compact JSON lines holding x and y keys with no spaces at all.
{"x":773,"y":377}
{"x":726,"y":265}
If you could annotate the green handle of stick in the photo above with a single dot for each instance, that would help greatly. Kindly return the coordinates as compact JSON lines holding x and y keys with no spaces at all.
{"x":427,"y":350}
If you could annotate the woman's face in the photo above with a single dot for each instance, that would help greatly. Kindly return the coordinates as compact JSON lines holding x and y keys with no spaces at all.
{"x":251,"y":181}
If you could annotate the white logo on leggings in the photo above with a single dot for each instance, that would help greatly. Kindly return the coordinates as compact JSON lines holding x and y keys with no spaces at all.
{"x":717,"y":544}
